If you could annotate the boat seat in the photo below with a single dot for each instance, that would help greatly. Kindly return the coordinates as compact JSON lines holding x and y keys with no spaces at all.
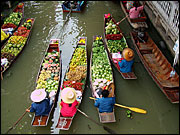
{"x":143,"y":47}
{"x":107,"y":117}
{"x":163,"y":75}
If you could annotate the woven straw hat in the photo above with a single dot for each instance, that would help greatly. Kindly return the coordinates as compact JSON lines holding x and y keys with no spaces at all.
{"x":68,"y":95}
{"x":128,"y":54}
{"x":38,"y":95}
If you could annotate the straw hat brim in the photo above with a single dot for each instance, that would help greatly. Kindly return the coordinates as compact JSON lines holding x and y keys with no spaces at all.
{"x":64,"y":95}
{"x":38,"y":95}
{"x":128,"y":54}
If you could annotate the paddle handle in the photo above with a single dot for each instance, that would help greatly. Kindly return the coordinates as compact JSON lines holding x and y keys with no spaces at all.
{"x":18,"y":120}
{"x":122,"y":20}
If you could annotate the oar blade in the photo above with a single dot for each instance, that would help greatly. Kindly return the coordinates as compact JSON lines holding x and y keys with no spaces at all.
{"x":138,"y":110}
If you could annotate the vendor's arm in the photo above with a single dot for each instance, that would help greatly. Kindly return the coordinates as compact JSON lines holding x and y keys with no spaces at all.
{"x":96,"y":104}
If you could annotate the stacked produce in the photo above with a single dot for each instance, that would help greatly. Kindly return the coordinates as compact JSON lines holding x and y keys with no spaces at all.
{"x":78,"y":65}
{"x":115,"y":46}
{"x":111,"y":28}
{"x":14,"y":18}
{"x":49,"y":75}
{"x":101,"y":69}
{"x":14,"y":45}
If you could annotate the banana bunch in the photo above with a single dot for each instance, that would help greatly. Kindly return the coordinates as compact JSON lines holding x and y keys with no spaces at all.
{"x":3,"y":35}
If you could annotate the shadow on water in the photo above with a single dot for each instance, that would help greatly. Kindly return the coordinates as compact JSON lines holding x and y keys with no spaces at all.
{"x":19,"y":81}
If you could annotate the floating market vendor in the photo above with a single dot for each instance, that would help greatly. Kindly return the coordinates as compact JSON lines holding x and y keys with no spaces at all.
{"x":126,"y":64}
{"x":105,"y":104}
{"x":41,"y":105}
{"x":135,"y":11}
{"x":69,"y":102}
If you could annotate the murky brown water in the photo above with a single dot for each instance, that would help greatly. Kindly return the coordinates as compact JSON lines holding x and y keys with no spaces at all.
{"x":19,"y":80}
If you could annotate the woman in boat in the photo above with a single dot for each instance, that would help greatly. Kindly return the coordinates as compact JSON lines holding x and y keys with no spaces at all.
{"x":41,"y":105}
{"x":69,"y":102}
{"x":126,"y":64}
{"x":105,"y":104}
{"x":135,"y":11}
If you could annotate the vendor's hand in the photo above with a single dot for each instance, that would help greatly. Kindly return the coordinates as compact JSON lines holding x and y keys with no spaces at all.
{"x":27,"y":110}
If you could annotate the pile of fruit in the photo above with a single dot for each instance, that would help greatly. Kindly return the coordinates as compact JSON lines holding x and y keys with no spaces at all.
{"x":111,"y":28}
{"x":14,"y":45}
{"x":101,"y":68}
{"x":78,"y":65}
{"x":16,"y":42}
{"x":73,"y":84}
{"x":14,"y":18}
{"x":49,"y":75}
{"x":115,"y":46}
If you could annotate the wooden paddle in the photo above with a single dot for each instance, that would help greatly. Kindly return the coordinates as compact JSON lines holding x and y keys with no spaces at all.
{"x":138,"y":110}
{"x":122,"y":20}
{"x":17,"y":121}
{"x":105,"y":128}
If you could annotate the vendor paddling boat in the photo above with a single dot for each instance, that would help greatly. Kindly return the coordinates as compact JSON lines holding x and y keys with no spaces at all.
{"x":136,"y":22}
{"x":16,"y":43}
{"x":49,"y":78}
{"x":101,"y":75}
{"x":75,"y":77}
{"x":10,"y":26}
{"x":75,"y":7}
{"x":157,"y":66}
{"x":115,"y":42}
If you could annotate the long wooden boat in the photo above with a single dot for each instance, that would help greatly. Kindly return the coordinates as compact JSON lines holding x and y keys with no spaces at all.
{"x":49,"y":77}
{"x":101,"y":75}
{"x":75,"y":77}
{"x":157,"y":66}
{"x":6,"y":51}
{"x":136,"y":22}
{"x":77,"y":9}
{"x":115,"y":43}
{"x":19,"y":9}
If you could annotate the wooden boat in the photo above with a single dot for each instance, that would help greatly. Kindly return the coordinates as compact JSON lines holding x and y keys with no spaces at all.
{"x":76,"y":9}
{"x":100,"y":69}
{"x":17,"y":9}
{"x":157,"y":66}
{"x":47,"y":68}
{"x":77,"y":80}
{"x":9,"y":55}
{"x":137,"y":22}
{"x":109,"y":39}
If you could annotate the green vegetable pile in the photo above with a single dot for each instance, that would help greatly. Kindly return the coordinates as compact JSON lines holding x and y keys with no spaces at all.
{"x":111,"y":28}
{"x":101,"y":68}
{"x":115,"y":46}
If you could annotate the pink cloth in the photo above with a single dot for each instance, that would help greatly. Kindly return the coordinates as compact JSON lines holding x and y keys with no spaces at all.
{"x":67,"y":111}
{"x":133,"y":13}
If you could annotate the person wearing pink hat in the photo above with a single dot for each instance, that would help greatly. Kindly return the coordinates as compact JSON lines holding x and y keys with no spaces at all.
{"x":69,"y":102}
{"x":41,"y":105}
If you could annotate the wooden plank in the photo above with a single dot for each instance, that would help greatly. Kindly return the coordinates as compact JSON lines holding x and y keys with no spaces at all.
{"x":64,"y":123}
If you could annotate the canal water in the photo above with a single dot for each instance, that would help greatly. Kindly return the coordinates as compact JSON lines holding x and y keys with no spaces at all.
{"x":19,"y":81}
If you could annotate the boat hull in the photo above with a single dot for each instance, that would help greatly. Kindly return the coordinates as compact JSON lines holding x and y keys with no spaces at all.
{"x":158,"y":67}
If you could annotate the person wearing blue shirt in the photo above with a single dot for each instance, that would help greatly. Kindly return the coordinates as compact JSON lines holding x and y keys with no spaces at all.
{"x":126,"y":64}
{"x":105,"y":104}
{"x":41,"y":105}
